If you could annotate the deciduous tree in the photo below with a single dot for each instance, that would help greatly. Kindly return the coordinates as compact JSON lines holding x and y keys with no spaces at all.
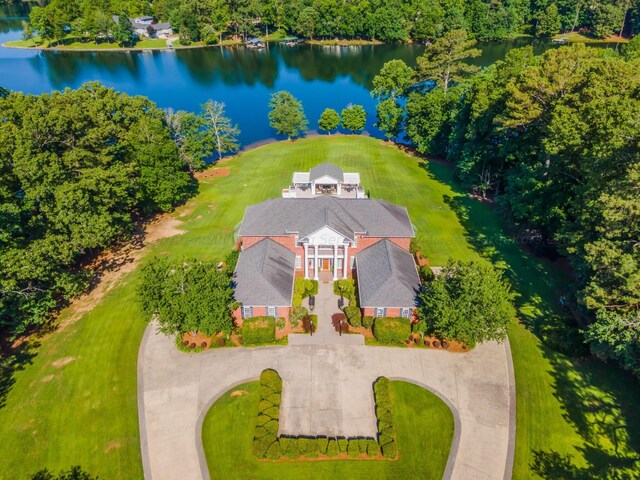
{"x":224,"y":133}
{"x":390,"y":117}
{"x":287,"y":115}
{"x":393,"y":81}
{"x":469,"y":302}
{"x":354,"y":117}
{"x":187,"y":295}
{"x":329,"y":120}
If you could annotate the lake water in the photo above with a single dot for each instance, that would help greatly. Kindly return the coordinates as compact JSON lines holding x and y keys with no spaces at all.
{"x":243,"y":79}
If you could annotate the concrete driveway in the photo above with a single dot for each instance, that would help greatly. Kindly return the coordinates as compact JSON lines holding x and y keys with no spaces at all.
{"x":327,"y":390}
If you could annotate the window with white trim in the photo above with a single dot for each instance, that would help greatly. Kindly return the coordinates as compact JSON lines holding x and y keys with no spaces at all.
{"x":247,"y":312}
{"x":298,"y":261}
{"x":271,"y":312}
{"x":405,"y":313}
{"x":380,"y":312}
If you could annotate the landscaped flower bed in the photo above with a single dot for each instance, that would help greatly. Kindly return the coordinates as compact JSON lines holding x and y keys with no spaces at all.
{"x":268,"y":445}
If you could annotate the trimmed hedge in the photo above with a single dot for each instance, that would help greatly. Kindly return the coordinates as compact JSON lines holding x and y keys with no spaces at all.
{"x":391,"y":329}
{"x":367,"y":322}
{"x":259,"y":330}
{"x":354,"y":316}
{"x":303,"y":288}
{"x":267,"y":444}
{"x":265,"y":438}
{"x":346,"y":288}
{"x":386,"y":425}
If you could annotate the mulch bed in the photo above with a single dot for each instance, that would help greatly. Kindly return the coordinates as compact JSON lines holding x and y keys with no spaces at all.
{"x":438,"y":344}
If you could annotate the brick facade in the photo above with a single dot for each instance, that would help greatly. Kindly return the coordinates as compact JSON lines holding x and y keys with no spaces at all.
{"x":391,"y":312}
{"x":290,"y":243}
{"x":259,"y":311}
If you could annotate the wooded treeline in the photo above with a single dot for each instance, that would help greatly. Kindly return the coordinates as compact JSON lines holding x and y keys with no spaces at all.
{"x":384,"y":20}
{"x":77,"y":168}
{"x":556,"y":140}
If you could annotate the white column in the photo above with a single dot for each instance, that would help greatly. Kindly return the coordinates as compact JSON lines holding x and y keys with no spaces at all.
{"x":315,"y":262}
{"x":306,"y":260}
{"x":335,"y":261}
{"x":345,"y":260}
{"x":313,"y":188}
{"x":339,"y":188}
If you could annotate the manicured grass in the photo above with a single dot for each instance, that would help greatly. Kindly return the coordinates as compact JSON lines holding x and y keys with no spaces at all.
{"x":76,"y":43}
{"x":21,"y":43}
{"x":576,"y":37}
{"x":86,"y":412}
{"x":424,"y":425}
{"x":152,"y":43}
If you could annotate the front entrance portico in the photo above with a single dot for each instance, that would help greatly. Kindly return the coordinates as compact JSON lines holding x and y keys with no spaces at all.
{"x":326,"y":251}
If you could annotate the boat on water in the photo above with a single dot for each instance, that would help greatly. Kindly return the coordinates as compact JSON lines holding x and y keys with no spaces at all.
{"x":254,"y":43}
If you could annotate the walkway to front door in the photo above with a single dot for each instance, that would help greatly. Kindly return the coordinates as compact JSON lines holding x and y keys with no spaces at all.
{"x":326,"y":306}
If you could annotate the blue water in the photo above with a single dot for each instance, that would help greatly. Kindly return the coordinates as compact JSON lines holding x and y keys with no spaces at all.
{"x":321,"y":77}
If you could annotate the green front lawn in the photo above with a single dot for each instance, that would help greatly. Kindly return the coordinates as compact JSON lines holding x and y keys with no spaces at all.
{"x":85,"y":412}
{"x":424,"y":426}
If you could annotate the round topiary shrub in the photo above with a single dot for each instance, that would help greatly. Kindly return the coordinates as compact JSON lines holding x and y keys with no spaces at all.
{"x":436,"y":344}
{"x":445,"y":344}
{"x":185,"y":343}
{"x":192,"y":346}
{"x":204,"y":344}
{"x":221,"y":342}
{"x":427,"y":343}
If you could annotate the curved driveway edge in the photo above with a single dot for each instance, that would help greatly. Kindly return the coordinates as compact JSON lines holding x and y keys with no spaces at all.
{"x":176,"y":390}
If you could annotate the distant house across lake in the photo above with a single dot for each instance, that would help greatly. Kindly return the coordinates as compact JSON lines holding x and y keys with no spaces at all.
{"x":145,"y":27}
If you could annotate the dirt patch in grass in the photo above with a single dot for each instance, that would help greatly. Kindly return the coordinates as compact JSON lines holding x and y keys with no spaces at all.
{"x":238,"y":393}
{"x":61,"y":362}
{"x":113,"y":264}
{"x":213,"y":172}
{"x":47,"y":379}
{"x":112,"y":445}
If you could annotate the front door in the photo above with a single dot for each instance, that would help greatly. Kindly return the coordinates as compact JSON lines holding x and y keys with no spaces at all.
{"x":325,"y":264}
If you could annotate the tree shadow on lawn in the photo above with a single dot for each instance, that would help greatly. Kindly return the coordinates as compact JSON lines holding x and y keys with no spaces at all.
{"x":603,"y":409}
{"x":598,"y":400}
{"x":12,"y":360}
{"x":538,"y":289}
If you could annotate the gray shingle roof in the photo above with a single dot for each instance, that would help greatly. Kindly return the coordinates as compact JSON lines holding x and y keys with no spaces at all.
{"x":282,"y":216}
{"x":387,"y":276}
{"x":328,"y":169}
{"x":264,"y":275}
{"x":161,"y":26}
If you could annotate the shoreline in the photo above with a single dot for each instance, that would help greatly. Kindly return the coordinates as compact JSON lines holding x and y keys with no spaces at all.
{"x":569,"y":39}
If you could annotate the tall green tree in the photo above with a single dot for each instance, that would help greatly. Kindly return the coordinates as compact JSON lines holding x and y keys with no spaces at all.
{"x":123,"y":32}
{"x":390,"y":116}
{"x":469,"y":302}
{"x":224,"y":133}
{"x":194,"y":142}
{"x":74,"y":179}
{"x":354,"y":118}
{"x":187,"y":295}
{"x":329,"y":120}
{"x":443,"y":61}
{"x":394,"y":79}
{"x":548,"y":22}
{"x":287,"y":115}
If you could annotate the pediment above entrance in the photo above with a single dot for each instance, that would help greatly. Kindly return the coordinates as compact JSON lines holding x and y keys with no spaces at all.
{"x":326,"y":236}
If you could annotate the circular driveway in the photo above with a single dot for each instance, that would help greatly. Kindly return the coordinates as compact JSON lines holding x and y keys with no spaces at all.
{"x":175,"y":391}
